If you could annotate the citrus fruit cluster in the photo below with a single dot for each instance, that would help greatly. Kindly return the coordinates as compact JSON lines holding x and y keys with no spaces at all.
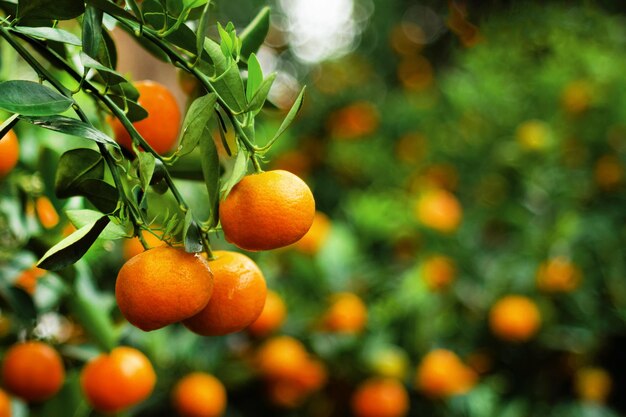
{"x":111,"y":382}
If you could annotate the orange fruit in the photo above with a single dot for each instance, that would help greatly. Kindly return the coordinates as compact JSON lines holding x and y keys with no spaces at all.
{"x":292,"y":390}
{"x":558,"y":274}
{"x":609,"y":172}
{"x":514,"y":318}
{"x":441,"y":374}
{"x":354,"y":121}
{"x":115,"y":381}
{"x":10,"y":151}
{"x":5,"y":404}
{"x":314,"y":239}
{"x":132,"y":247}
{"x":33,"y":371}
{"x":160,"y":128}
{"x":151,"y":287}
{"x":272,"y":316}
{"x":438,"y":272}
{"x":46,"y":212}
{"x":346,"y":314}
{"x":199,"y":395}
{"x":27,"y":280}
{"x":238,"y":298}
{"x":267,"y":211}
{"x":593,"y":384}
{"x":281,"y":357}
{"x":380,"y":397}
{"x":439,"y":209}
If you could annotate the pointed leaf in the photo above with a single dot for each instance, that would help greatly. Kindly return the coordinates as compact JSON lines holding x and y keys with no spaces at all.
{"x":255,"y":76}
{"x":254,"y":34}
{"x":146,"y":168}
{"x":52,"y":34}
{"x":239,"y":171}
{"x":71,"y":127}
{"x":74,"y":167}
{"x":290,"y":116}
{"x":73,"y":247}
{"x":92,"y":31}
{"x":203,"y":24}
{"x":227,"y":82}
{"x":192,"y":234}
{"x":80,"y":218}
{"x":211,"y":172}
{"x":8,"y":125}
{"x":257,"y":102}
{"x":100,"y":193}
{"x":29,"y":98}
{"x":110,"y":75}
{"x":197,"y":117}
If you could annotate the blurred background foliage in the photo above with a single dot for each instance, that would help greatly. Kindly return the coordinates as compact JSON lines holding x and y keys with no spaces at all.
{"x":461,"y":153}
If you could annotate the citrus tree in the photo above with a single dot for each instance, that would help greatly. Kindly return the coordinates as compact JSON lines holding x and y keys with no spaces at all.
{"x":59,"y":75}
{"x":464,"y":252}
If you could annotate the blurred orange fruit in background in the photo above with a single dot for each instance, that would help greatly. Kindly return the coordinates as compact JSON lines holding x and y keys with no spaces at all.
{"x":354,"y":121}
{"x":272,"y":316}
{"x":380,"y":397}
{"x":199,"y":394}
{"x":558,"y":274}
{"x":514,"y":318}
{"x":441,"y":374}
{"x":438,"y":272}
{"x":33,"y":371}
{"x":347,"y":313}
{"x":439,"y":209}
{"x":314,"y":239}
{"x":117,"y":380}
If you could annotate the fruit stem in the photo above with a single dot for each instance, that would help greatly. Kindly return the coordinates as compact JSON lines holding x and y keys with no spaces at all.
{"x":207,"y":246}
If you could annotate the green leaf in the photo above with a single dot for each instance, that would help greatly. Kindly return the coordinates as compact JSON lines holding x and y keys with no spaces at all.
{"x":255,"y":76}
{"x":73,"y":247}
{"x":52,"y":34}
{"x":203,"y":24}
{"x":197,"y":117}
{"x":254,"y":34}
{"x":227,"y":83}
{"x":211,"y":173}
{"x":92,"y":32}
{"x":108,"y":53}
{"x":239,"y":171}
{"x":112,"y":9}
{"x":192,"y":234}
{"x":257,"y":102}
{"x":190,"y":4}
{"x":227,"y":43}
{"x":80,"y":218}
{"x":110,"y":75}
{"x":29,"y":98}
{"x":50,"y":9}
{"x":71,"y":127}
{"x":100,"y":193}
{"x":19,"y":301}
{"x":74,"y":167}
{"x":146,"y":168}
{"x":295,"y":107}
